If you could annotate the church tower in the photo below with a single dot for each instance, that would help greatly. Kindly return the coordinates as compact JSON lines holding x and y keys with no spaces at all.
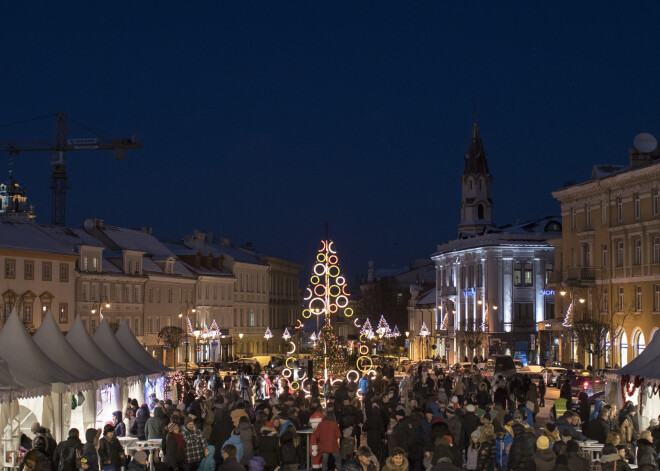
{"x":13,"y":200}
{"x":476,"y":183}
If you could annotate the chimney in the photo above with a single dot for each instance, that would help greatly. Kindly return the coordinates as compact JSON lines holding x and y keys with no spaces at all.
{"x":639,"y":159}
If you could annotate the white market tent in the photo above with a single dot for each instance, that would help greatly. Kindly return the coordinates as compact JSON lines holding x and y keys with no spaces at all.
{"x":645,"y":365}
{"x":108,"y":343}
{"x":131,"y":344}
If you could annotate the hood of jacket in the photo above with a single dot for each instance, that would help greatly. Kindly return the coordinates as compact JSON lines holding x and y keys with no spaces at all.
{"x":90,"y":435}
{"x":143,"y":412}
{"x":242,"y":426}
{"x":644,"y":441}
{"x":234,"y":440}
{"x":159,"y":412}
{"x":285,"y":425}
{"x":546,"y":455}
{"x":390,"y":464}
{"x":211,"y":450}
{"x":118,"y":414}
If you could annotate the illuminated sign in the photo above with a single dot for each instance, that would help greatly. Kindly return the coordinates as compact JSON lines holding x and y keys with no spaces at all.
{"x":547,"y":292}
{"x":469,"y":292}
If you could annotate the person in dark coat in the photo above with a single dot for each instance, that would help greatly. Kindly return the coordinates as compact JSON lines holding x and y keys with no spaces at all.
{"x":565,"y":391}
{"x":230,"y":463}
{"x":36,"y":460}
{"x":470,"y":424}
{"x":375,"y":428}
{"x":51,"y":444}
{"x":521,"y":454}
{"x":544,"y":458}
{"x":139,"y":462}
{"x":269,"y":447}
{"x":599,"y":429}
{"x":486,"y":459}
{"x":117,"y":421}
{"x":645,"y":449}
{"x":174,"y":448}
{"x":68,"y":452}
{"x":111,"y":453}
{"x":138,"y":428}
{"x":42,"y":458}
{"x":574,"y":461}
{"x":92,"y":436}
{"x":609,"y":457}
{"x":221,"y":431}
{"x":584,"y":409}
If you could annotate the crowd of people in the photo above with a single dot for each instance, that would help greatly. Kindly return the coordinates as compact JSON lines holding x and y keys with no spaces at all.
{"x":428,"y":421}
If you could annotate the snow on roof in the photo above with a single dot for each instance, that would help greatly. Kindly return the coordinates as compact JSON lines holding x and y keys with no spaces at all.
{"x":538,"y":225}
{"x":30,"y":236}
{"x":127,"y":340}
{"x":51,"y":341}
{"x":84,"y":345}
{"x":235,"y":253}
{"x":135,"y":239}
{"x":602,"y":171}
{"x":428,"y":297}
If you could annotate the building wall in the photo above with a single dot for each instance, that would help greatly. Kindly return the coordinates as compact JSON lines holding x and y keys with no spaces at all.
{"x":251,"y":308}
{"x":610,"y":245}
{"x":26,"y":285}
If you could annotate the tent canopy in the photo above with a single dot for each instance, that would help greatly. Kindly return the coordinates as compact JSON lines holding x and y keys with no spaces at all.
{"x":84,"y":345}
{"x":127,"y":340}
{"x":107,"y":342}
{"x":645,"y":364}
{"x":21,"y":353}
{"x":51,"y":341}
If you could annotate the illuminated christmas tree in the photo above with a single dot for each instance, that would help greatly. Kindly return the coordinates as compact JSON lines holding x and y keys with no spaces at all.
{"x":383,"y":326}
{"x":328,"y":357}
{"x":366,"y":328}
{"x":424,"y":331}
{"x":568,"y":320}
{"x":395,"y":332}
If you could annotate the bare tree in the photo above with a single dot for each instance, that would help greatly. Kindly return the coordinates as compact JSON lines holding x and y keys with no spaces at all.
{"x":598,"y":327}
{"x":172,"y":336}
{"x":472,"y":335}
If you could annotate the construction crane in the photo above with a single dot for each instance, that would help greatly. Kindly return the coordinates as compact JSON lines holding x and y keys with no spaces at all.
{"x":58,"y":150}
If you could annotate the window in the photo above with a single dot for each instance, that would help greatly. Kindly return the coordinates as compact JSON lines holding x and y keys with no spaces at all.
{"x":573,"y":218}
{"x":619,"y":253}
{"x":157,"y":325}
{"x":517,"y":274}
{"x":46,"y":271}
{"x":470,"y":275}
{"x":529,"y":274}
{"x":523,"y":314}
{"x":656,"y":250}
{"x":151,"y":295}
{"x":83,"y":291}
{"x":27,"y":313}
{"x":604,"y":249}
{"x":548,"y":273}
{"x":620,"y":298}
{"x":64,"y":272}
{"x":10,"y":268}
{"x":638,"y":298}
{"x":28,"y":274}
{"x":150,"y":325}
{"x":63,"y":313}
{"x":158,"y":295}
{"x":638,"y":209}
{"x":619,"y":209}
{"x":549,"y":311}
{"x":85,"y":263}
{"x":638,"y":251}
{"x":605,"y":300}
{"x":603,"y":211}
{"x":136,"y":326}
{"x":480,"y":275}
{"x":586,"y":255}
{"x":126,"y":293}
{"x":463,"y":277}
{"x":252,"y":320}
{"x":136,"y":295}
{"x":656,"y":298}
{"x":130,"y":266}
{"x":170,"y":295}
{"x":587,"y":216}
{"x":92,"y":325}
{"x":95,"y":264}
{"x":656,"y":203}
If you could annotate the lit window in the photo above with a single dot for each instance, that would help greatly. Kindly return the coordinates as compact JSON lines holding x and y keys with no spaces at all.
{"x":638,"y":209}
{"x":619,"y":209}
{"x":638,"y":251}
{"x":638,"y":298}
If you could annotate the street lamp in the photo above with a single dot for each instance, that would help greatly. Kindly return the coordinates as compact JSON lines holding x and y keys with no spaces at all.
{"x":424,"y":333}
{"x":240,"y":336}
{"x":189,"y":309}
{"x":101,"y":305}
{"x":268,"y":335}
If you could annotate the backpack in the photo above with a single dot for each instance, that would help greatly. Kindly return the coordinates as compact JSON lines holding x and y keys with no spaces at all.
{"x":70,"y":458}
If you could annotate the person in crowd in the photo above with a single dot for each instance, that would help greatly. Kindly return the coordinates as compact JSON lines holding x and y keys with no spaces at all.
{"x":397,"y":461}
{"x":521,"y":454}
{"x":364,"y":461}
{"x":235,"y":440}
{"x":269,"y":447}
{"x":327,"y":437}
{"x":248,"y":440}
{"x":111,"y":453}
{"x":599,"y":428}
{"x":141,"y":417}
{"x":574,"y":461}
{"x":36,"y":460}
{"x":230,"y":463}
{"x":194,"y":442}
{"x":645,"y":450}
{"x":486,"y":460}
{"x":174,"y":448}
{"x":120,"y":427}
{"x":139,"y":462}
{"x":154,"y":427}
{"x":50,"y":443}
{"x":611,"y":460}
{"x":90,"y":448}
{"x":472,"y":452}
{"x":544,"y":458}
{"x":208,"y":463}
{"x":290,"y":449}
{"x":68,"y":452}
{"x":569,"y":421}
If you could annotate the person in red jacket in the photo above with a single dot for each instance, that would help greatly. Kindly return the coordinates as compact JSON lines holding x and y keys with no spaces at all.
{"x":327,"y":438}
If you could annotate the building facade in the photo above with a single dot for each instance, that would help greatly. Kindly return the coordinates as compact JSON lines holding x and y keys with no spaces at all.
{"x":609,"y":258}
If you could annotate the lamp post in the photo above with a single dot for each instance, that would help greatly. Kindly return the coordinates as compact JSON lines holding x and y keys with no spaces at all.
{"x":100,"y":305}
{"x":570,"y":314}
{"x":485,"y":325}
{"x":240,"y":336}
{"x":424,"y":333}
{"x":268,"y":335}
{"x":189,"y":309}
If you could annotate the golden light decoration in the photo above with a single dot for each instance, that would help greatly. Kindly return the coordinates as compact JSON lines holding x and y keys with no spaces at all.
{"x":328,"y":292}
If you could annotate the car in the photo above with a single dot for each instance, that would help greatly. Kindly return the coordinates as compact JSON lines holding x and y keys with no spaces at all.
{"x":518,"y":364}
{"x":584,"y":380}
{"x":535,"y":378}
{"x":504,"y":366}
{"x":463,"y":367}
{"x":531,"y":369}
{"x":552,"y":375}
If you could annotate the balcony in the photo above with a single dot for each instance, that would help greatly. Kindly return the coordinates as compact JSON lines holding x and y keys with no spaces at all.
{"x":447,"y":291}
{"x":584,"y":274}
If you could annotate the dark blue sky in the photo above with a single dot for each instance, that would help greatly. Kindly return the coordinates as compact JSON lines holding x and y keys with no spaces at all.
{"x":264,"y":120}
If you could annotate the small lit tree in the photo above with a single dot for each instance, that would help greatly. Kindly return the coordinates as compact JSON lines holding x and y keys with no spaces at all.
{"x":172,"y":336}
{"x":327,"y":353}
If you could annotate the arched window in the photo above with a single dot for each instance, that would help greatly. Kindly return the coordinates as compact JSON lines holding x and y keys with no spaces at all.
{"x":608,"y":351}
{"x":480,"y":211}
{"x":623,"y":349}
{"x":640,"y":345}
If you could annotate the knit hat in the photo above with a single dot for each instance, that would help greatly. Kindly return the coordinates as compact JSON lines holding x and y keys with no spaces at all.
{"x":140,"y":457}
{"x":187,"y":420}
{"x":530,"y":405}
{"x":181,"y":406}
{"x":518,"y":416}
{"x":542,"y":443}
{"x":454,"y":399}
{"x":507,"y":418}
{"x":171,"y":426}
{"x":476,"y":434}
{"x":400,"y":413}
{"x":470,"y":408}
{"x":108,"y":428}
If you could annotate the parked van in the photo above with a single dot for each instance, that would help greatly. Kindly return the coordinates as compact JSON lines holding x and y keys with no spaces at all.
{"x":504,"y":366}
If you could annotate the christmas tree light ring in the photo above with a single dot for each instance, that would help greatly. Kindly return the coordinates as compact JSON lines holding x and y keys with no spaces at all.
{"x":324,"y":246}
{"x":333,"y":259}
{"x":321,"y":384}
{"x":320,"y":258}
{"x":348,"y":376}
{"x":363,"y":338}
{"x":285,"y":371}
{"x":286,"y":363}
{"x":319,"y":290}
{"x":331,"y":247}
{"x":336,"y":381}
{"x":345,"y":290}
{"x":333,"y":308}
{"x":358,"y":394}
{"x":295,"y":385}
{"x":364,"y":350}
{"x":348,"y":312}
{"x":317,"y":306}
{"x":334,"y":291}
{"x":306,"y":313}
{"x":355,"y":321}
{"x":315,"y":280}
{"x":372,"y":373}
{"x":342,"y":301}
{"x":340,"y":280}
{"x":333,"y":271}
{"x":319,"y":269}
{"x":360,"y":361}
{"x":302,"y":385}
{"x":308,"y":294}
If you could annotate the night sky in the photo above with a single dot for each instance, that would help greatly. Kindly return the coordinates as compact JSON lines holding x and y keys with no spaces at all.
{"x":262,"y":121}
